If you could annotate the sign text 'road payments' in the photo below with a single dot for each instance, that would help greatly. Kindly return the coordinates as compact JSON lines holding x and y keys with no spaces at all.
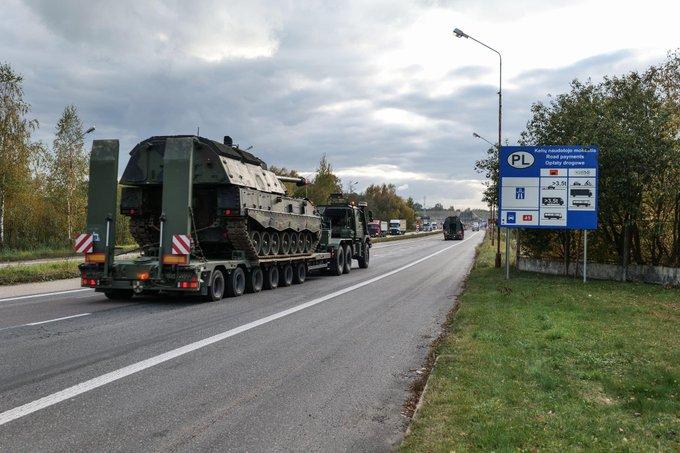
{"x":549,"y":187}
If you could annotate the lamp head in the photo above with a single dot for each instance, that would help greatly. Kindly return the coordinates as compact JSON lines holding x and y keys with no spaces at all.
{"x":89,"y":130}
{"x":459,"y":33}
{"x":475,"y":135}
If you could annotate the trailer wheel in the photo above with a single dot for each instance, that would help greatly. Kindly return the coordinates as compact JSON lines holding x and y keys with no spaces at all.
{"x":119,"y":294}
{"x":300,"y":274}
{"x":286,"y":275}
{"x":236,"y":283}
{"x":338,"y":265}
{"x":255,"y":280}
{"x":365,"y":258}
{"x":271,"y":277}
{"x":348,"y":260}
{"x":216,"y":288}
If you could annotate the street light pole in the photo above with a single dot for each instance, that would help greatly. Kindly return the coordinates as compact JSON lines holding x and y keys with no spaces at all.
{"x":460,"y":34}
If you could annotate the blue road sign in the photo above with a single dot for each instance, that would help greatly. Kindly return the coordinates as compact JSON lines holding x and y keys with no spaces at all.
{"x":549,"y":187}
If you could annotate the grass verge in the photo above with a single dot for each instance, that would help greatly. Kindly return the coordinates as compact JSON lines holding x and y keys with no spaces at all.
{"x":42,"y":272}
{"x":8,"y":255}
{"x":549,"y":363}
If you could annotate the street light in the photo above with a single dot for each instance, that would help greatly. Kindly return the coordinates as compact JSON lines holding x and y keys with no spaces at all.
{"x":460,"y":34}
{"x":476,"y":135}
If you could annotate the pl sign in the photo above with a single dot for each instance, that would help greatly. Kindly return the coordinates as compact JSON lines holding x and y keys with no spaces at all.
{"x":549,"y":187}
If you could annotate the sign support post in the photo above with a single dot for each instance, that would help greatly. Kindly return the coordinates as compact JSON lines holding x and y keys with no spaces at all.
{"x":507,"y":253}
{"x":585,"y":254}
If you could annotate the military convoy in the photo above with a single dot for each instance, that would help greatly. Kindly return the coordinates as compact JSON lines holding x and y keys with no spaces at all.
{"x":209,"y":219}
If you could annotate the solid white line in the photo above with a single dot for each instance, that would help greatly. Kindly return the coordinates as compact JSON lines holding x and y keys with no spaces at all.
{"x":45,"y":294}
{"x":113,"y":376}
{"x":53,"y":320}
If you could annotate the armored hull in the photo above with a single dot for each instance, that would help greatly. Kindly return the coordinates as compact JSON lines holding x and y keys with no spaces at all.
{"x":238,"y":206}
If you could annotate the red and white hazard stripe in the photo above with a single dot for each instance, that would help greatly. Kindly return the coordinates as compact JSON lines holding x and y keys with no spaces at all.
{"x":84,"y":243}
{"x":181,"y":244}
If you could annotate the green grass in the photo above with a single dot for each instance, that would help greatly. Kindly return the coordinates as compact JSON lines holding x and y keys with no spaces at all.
{"x":549,"y":363}
{"x":7,"y":255}
{"x":410,"y":236}
{"x":42,"y":272}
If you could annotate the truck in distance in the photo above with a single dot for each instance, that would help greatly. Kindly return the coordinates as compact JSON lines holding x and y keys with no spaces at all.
{"x":453,"y":228}
{"x":377,"y":228}
{"x":397,"y":227}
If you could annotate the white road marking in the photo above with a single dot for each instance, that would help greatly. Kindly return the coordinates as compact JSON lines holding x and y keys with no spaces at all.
{"x":45,"y":322}
{"x":45,"y":294}
{"x":99,"y":381}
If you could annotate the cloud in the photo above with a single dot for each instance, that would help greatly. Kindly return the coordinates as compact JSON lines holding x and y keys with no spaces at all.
{"x":382,"y":88}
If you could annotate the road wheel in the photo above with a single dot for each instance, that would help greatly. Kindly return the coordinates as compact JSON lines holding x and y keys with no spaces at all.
{"x":216,"y":288}
{"x":286,"y":275}
{"x":300,"y":274}
{"x":348,"y":260}
{"x":119,"y":294}
{"x":271,"y":277}
{"x":310,"y":242}
{"x":304,"y":244}
{"x":275,"y":243}
{"x":338,"y":264}
{"x":266,"y":244}
{"x":365,"y":258}
{"x":256,"y":240}
{"x":236,"y":283}
{"x":285,"y":243}
{"x":294,"y":243}
{"x":255,"y":280}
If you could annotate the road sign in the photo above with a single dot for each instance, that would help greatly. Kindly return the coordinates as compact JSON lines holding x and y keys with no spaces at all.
{"x":549,"y":187}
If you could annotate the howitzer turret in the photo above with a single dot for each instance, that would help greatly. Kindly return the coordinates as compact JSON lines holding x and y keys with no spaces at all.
{"x":237,"y":205}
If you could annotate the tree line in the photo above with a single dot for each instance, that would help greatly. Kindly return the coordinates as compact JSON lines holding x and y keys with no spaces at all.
{"x":634,"y":119}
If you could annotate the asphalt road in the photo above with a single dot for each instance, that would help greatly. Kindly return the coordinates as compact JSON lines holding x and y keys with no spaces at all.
{"x":321,"y":366}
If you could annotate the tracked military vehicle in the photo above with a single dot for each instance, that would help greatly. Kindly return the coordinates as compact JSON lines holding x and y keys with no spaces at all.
{"x":212,"y":220}
{"x":237,"y":203}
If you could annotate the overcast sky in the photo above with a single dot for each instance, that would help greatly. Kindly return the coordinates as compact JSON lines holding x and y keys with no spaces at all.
{"x":382,"y":87}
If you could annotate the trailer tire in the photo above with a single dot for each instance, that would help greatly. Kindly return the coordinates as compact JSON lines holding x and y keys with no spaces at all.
{"x":119,"y":294}
{"x":338,"y":264}
{"x":286,"y":275}
{"x":365,"y":258}
{"x":236,"y":284}
{"x":300,"y":274}
{"x":255,"y":280}
{"x":348,"y":259}
{"x":271,"y":277}
{"x":216,"y":288}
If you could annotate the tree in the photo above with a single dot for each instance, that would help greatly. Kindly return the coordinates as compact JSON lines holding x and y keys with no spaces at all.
{"x":324,"y":184}
{"x":69,"y":168}
{"x":385,"y":204}
{"x":16,"y":149}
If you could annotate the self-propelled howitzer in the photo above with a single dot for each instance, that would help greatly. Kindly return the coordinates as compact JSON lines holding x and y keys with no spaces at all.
{"x":237,"y":204}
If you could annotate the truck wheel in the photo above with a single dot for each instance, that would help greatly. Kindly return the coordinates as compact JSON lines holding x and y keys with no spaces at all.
{"x":271,"y":277}
{"x":216,"y":288}
{"x":348,"y":260}
{"x":338,"y":264}
{"x":300,"y":274}
{"x":255,"y":280}
{"x":286,"y":275}
{"x":365,"y":258}
{"x":119,"y":294}
{"x":236,"y":283}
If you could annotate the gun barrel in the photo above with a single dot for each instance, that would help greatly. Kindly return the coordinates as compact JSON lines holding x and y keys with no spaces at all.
{"x":298,"y":180}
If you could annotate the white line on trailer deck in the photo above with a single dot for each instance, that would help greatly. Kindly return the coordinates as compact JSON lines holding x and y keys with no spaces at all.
{"x":91,"y":384}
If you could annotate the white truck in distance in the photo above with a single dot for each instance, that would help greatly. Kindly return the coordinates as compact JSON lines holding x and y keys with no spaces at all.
{"x":397,"y":227}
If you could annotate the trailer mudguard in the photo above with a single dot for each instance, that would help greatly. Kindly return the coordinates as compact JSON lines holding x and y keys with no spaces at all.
{"x":177,"y":190}
{"x":102,"y":195}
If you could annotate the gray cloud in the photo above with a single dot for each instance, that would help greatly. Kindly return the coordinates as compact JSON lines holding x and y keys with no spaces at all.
{"x":295,"y":80}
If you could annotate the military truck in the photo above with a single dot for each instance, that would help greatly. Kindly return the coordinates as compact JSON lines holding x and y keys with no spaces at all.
{"x":345,"y":234}
{"x":453,"y":228}
{"x":210,"y":220}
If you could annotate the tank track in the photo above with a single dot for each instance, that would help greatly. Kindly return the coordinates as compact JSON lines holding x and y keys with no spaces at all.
{"x":237,"y":231}
{"x":142,"y":232}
